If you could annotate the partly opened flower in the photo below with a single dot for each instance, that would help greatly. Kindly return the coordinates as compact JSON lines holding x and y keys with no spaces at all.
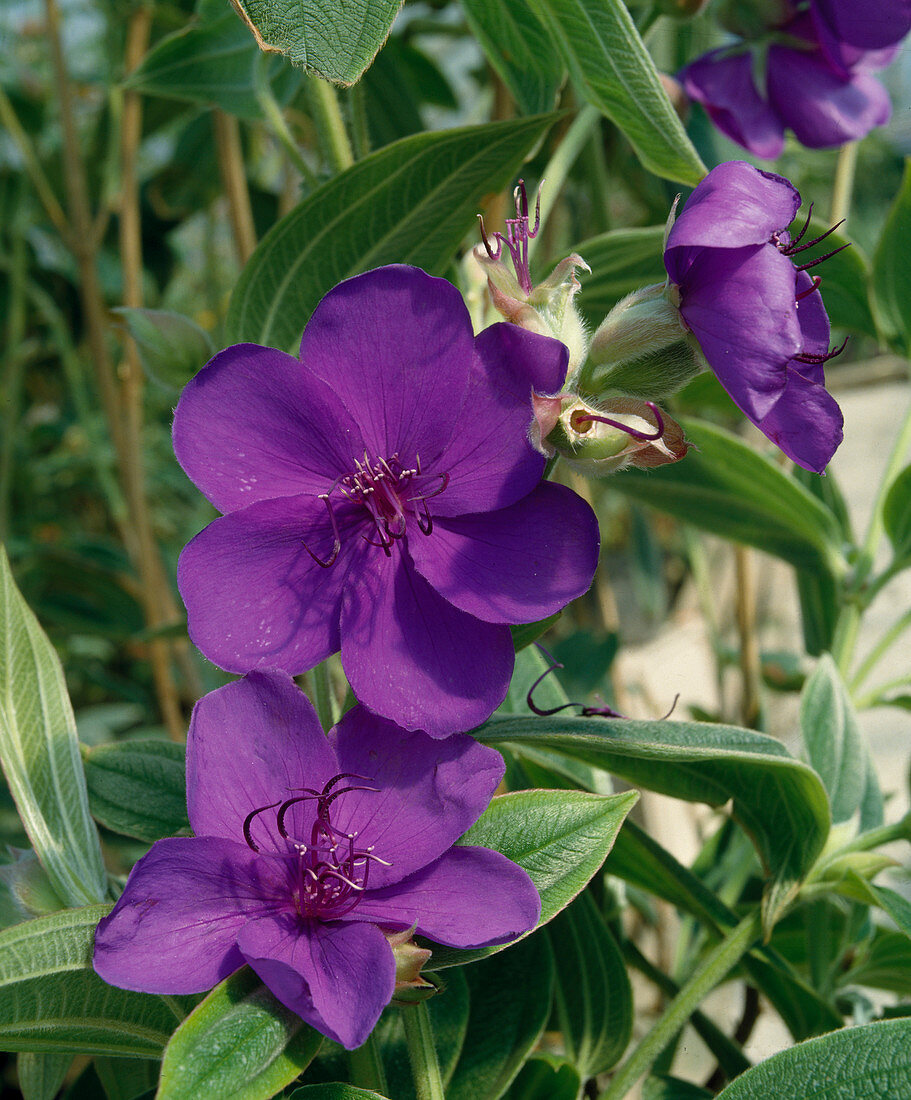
{"x":759,"y":320}
{"x":311,"y":857}
{"x":382,"y":498}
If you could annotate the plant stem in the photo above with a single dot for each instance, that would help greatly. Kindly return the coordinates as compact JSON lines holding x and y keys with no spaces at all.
{"x":750,"y":669}
{"x":330,"y":125}
{"x":710,"y":973}
{"x":16,"y":356}
{"x":844,"y":182}
{"x":276,"y":119}
{"x":425,"y":1066}
{"x":324,"y":701}
{"x":873,"y":657}
{"x":557,"y":169}
{"x":33,"y":168}
{"x":366,"y":1064}
{"x":234,"y":180}
{"x":875,"y":697}
{"x":360,"y":132}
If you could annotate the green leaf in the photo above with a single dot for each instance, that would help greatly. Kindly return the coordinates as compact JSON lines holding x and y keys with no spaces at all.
{"x":127,"y":1078}
{"x":593,"y":996}
{"x":509,"y":1004}
{"x":334,"y":1091}
{"x":856,"y":1063}
{"x":41,"y":1075}
{"x":411,"y":202}
{"x":622,"y":261}
{"x":211,"y":62}
{"x":885,"y":964}
{"x":332,"y":40}
{"x":780,"y":802}
{"x":172,"y":347}
{"x":525,"y":633}
{"x":238,"y":1042}
{"x":561,"y":838}
{"x":725,"y":487}
{"x":845,"y":279}
{"x":545,"y":1077}
{"x":892,"y":268}
{"x":672,"y":1088}
{"x":138,"y":788}
{"x":829,"y":728}
{"x":897,"y":514}
{"x":615,"y":73}
{"x":40,"y":752}
{"x":52,"y":1000}
{"x":519,"y":49}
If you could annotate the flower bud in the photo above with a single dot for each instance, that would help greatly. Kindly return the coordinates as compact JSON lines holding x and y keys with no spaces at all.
{"x":28,"y":885}
{"x":623,"y":432}
{"x":410,"y":986}
{"x":642,"y":349}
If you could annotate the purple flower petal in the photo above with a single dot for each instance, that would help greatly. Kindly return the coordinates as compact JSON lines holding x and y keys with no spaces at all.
{"x":250,"y":744}
{"x":337,"y":977}
{"x":411,"y":656}
{"x":735,"y":205}
{"x":723,"y":84}
{"x":394,"y":344}
{"x":175,"y":927}
{"x":517,"y":564}
{"x":740,"y":305}
{"x":489,"y":460}
{"x":471,"y":897}
{"x":255,"y":597}
{"x":429,"y":791}
{"x":823,"y":108}
{"x":805,"y":422}
{"x":253,"y":425}
{"x":870,"y":24}
{"x":815,"y":332}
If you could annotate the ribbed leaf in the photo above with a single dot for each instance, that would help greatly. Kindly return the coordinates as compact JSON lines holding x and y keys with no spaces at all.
{"x":832,"y":739}
{"x":897,"y":515}
{"x":892,"y":268}
{"x":411,"y":202}
{"x":622,"y":261}
{"x":138,"y":788}
{"x":40,"y":752}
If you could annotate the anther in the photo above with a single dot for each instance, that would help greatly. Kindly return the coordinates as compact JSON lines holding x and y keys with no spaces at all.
{"x":822,"y":259}
{"x":817,"y":360}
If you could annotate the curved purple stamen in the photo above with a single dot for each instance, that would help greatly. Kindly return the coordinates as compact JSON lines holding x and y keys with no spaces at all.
{"x":517,"y":236}
{"x":643,"y":437}
{"x":822,"y":259}
{"x":337,"y":544}
{"x":248,"y":823}
{"x":815,"y":282}
{"x":818,"y":360}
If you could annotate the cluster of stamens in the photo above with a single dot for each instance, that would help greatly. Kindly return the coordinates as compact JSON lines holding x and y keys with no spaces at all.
{"x":331,"y":873}
{"x":791,"y":248}
{"x":389,"y":492}
{"x":517,"y":236}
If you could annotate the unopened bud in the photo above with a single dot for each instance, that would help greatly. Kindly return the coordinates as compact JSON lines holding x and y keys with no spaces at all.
{"x":28,"y":885}
{"x":410,"y":985}
{"x":642,"y":348}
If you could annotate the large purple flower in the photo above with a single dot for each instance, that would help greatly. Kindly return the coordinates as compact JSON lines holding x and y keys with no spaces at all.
{"x":382,"y":498}
{"x":309,"y":853}
{"x":759,"y":320}
{"x":815,"y":81}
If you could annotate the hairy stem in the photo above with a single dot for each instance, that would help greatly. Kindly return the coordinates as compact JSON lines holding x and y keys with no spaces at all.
{"x":750,"y":668}
{"x":366,"y":1064}
{"x":276,"y":119}
{"x":843,"y":187}
{"x":425,"y":1066}
{"x":879,"y":650}
{"x":330,"y":125}
{"x":234,"y":180}
{"x":34,"y":171}
{"x":710,"y":973}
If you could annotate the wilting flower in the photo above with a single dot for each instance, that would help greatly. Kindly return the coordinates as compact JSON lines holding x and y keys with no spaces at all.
{"x":382,"y":498}
{"x":814,"y":81}
{"x":759,"y":320}
{"x":311,"y":857}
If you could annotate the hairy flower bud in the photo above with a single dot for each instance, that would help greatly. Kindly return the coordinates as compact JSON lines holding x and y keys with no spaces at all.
{"x":622,"y":432}
{"x":642,"y":349}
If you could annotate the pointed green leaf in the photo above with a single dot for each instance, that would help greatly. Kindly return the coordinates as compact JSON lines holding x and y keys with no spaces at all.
{"x":829,"y":728}
{"x":779,"y":801}
{"x":892,"y":268}
{"x":411,"y":202}
{"x":238,"y":1042}
{"x":897,"y":515}
{"x":334,"y":1091}
{"x":127,"y":1078}
{"x":51,"y":999}
{"x":332,"y":40}
{"x":40,"y":752}
{"x":561,"y":838}
{"x":546,"y":1077}
{"x":615,"y":73}
{"x":509,"y":998}
{"x":172,"y":347}
{"x":593,"y":995}
{"x":41,"y":1075}
{"x":884,"y":964}
{"x":856,"y":1063}
{"x":728,"y":489}
{"x":138,"y":788}
{"x":672,"y":1088}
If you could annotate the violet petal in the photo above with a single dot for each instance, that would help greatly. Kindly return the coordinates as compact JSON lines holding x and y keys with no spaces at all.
{"x":254,"y":595}
{"x":515,"y":565}
{"x":805,"y":422}
{"x":251,"y":743}
{"x":470,"y":897}
{"x":411,"y":656}
{"x":337,"y":977}
{"x":869,"y":25}
{"x":429,"y":791}
{"x":175,"y":927}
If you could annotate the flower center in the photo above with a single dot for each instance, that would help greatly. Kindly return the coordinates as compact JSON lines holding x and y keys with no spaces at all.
{"x":389,"y":492}
{"x":331,"y":872}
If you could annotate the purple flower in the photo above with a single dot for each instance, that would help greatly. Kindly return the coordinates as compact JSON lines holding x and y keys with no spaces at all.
{"x":815,"y":82}
{"x":382,"y":498}
{"x":759,"y":320}
{"x":310,"y":854}
{"x":868,"y":26}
